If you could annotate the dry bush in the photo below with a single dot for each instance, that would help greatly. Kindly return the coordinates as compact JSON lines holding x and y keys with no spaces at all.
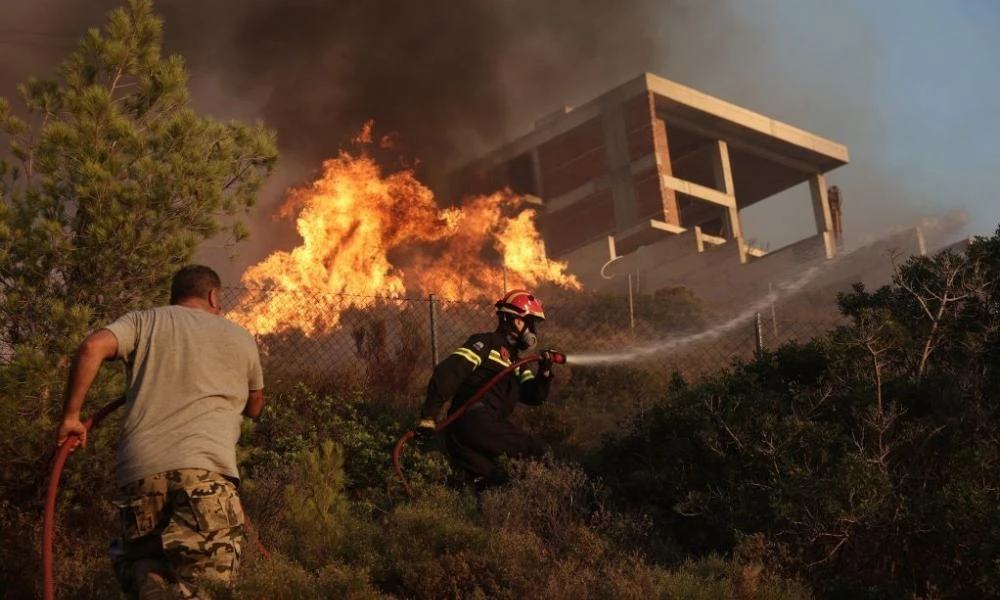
{"x":588,"y":402}
{"x":549,"y":502}
{"x":432,"y":548}
{"x":280,"y":578}
{"x":546,"y":536}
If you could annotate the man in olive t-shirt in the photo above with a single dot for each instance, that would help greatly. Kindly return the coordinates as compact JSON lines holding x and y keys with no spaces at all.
{"x":192,"y":376}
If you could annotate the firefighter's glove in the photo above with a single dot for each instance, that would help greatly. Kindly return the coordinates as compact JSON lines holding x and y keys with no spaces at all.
{"x":425,"y":430}
{"x":546,"y":358}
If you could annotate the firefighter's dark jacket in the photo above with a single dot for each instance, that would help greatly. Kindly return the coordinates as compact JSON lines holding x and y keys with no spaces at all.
{"x":478,"y":360}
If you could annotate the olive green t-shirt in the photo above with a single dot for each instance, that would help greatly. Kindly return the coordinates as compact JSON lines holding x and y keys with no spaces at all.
{"x":189,"y":375}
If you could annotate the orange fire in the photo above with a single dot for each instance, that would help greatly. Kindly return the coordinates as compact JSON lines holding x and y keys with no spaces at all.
{"x":367,"y":235}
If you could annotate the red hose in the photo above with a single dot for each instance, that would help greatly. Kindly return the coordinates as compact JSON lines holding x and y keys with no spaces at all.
{"x":48,"y":521}
{"x":397,"y":451}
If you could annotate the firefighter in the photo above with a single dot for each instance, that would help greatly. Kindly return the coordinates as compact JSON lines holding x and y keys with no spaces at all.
{"x":476,"y":440}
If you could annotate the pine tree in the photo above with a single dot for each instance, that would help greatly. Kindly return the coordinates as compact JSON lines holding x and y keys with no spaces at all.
{"x":109,"y":180}
{"x":110,"y":183}
{"x":316,"y":511}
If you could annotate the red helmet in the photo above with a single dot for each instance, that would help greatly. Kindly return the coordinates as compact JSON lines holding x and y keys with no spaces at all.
{"x":521,"y":303}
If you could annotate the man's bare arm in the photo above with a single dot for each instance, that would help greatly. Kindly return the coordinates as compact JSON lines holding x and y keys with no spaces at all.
{"x":255,"y":404}
{"x":98,"y":347}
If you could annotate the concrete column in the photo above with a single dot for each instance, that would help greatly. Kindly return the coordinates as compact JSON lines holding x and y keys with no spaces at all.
{"x":821,"y":212}
{"x":536,"y":172}
{"x":699,"y":242}
{"x":723,"y":172}
{"x":619,"y":165}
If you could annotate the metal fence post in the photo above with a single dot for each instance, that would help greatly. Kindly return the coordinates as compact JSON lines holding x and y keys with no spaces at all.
{"x":631,"y":306}
{"x":434,"y":331}
{"x":758,"y":335}
{"x":774,"y":316}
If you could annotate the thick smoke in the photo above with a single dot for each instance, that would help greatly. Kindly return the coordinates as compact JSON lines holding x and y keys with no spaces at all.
{"x":445,"y":75}
{"x":457,"y":78}
{"x":451,"y":78}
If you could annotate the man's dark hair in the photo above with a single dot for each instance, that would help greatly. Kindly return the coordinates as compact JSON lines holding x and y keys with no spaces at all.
{"x":193,"y":281}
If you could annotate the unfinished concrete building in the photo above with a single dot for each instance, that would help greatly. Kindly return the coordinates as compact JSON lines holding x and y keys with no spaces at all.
{"x":657,"y":173}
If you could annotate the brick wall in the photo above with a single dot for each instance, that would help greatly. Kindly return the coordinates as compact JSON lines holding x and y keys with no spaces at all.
{"x":639,"y":133}
{"x":573,"y":159}
{"x":580,"y":156}
{"x":575,"y":225}
{"x":647,"y":134}
{"x":649,"y":194}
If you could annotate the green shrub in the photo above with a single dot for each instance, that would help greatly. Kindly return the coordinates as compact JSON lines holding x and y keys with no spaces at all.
{"x":280,"y":578}
{"x":317,"y":519}
{"x":862,"y":457}
{"x":300,"y":419}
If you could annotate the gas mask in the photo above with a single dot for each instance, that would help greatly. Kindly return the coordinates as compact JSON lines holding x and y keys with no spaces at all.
{"x":526,"y":338}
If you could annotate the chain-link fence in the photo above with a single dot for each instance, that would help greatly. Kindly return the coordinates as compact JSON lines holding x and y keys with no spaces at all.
{"x":388,"y":346}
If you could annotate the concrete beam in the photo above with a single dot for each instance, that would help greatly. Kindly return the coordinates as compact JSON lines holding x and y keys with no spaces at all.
{"x":698,"y":191}
{"x":785,"y":161}
{"x":644,"y":164}
{"x":612,"y":250}
{"x":577,"y":194}
{"x":723,"y":173}
{"x":704,"y":238}
{"x":647,"y":232}
{"x":747,"y":119}
{"x":596,"y":185}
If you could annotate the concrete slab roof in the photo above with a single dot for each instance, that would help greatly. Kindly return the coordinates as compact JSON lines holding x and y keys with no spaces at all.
{"x":685,"y":107}
{"x":786,"y":153}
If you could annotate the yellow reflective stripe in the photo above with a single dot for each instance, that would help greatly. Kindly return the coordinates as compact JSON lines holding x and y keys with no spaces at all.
{"x":526,"y":375}
{"x":469,"y":355}
{"x":495,"y":357}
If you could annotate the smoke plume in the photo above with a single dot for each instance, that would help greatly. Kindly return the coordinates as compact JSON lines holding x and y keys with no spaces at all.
{"x":447,"y":76}
{"x":451,"y":78}
{"x":457,"y":78}
{"x":442,"y":74}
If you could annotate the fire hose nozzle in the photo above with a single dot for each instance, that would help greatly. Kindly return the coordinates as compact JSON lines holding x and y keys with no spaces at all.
{"x":558,"y":358}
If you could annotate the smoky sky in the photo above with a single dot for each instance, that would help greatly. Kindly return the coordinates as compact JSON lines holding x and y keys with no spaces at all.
{"x":446,"y":76}
{"x":452,"y":79}
{"x":458,"y":78}
{"x":438,"y":72}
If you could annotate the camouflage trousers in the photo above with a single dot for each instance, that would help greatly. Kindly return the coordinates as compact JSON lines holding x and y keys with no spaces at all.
{"x":179,"y":529}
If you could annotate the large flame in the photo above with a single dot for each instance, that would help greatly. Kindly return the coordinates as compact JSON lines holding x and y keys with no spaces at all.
{"x":367,"y":235}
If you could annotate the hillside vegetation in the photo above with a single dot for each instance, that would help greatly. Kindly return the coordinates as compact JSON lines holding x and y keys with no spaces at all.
{"x":861,"y":464}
